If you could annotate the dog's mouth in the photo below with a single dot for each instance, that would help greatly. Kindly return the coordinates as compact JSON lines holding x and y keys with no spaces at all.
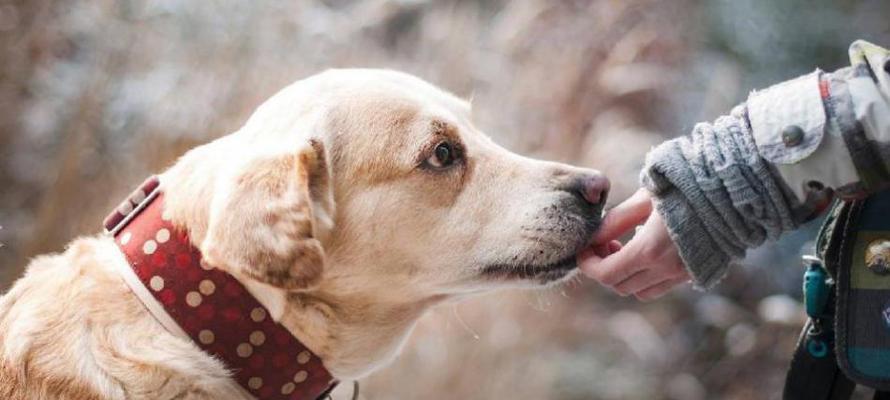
{"x":542,"y":274}
{"x":577,"y":223}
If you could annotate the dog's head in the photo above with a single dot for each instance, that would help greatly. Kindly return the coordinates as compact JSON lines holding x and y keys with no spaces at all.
{"x":377,"y":185}
{"x":380,"y":177}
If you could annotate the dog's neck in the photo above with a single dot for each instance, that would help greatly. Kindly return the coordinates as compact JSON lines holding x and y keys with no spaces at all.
{"x":355,"y":333}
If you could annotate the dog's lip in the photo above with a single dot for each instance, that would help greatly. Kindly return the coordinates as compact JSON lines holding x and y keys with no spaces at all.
{"x":543,"y":273}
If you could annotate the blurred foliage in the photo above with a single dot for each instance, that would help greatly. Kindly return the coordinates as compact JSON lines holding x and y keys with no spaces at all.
{"x":94,"y":95}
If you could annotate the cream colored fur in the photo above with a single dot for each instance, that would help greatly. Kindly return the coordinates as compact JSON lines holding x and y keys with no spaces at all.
{"x":325,"y":207}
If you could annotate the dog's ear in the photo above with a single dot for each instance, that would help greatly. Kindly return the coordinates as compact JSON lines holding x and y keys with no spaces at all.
{"x":266,"y":221}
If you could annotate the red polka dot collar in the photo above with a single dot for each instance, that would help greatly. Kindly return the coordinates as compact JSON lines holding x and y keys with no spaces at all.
{"x":210,"y":306}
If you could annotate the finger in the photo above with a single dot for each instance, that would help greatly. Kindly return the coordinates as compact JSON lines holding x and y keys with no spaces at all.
{"x":589,"y":259}
{"x":606,"y":249}
{"x":624,"y":217}
{"x":658,"y":290}
{"x":612,"y":269}
{"x":601,"y":250}
{"x":641,"y":280}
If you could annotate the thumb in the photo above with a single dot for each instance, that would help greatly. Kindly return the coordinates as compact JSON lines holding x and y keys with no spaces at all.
{"x":624,"y":217}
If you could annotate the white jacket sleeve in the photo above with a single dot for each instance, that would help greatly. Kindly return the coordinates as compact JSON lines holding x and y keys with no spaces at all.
{"x":829,"y":130}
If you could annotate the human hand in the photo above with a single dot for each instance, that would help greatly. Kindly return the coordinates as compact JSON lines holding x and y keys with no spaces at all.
{"x":648,"y":266}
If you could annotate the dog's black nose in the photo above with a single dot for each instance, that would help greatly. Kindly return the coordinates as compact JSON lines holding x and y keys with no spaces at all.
{"x":594,"y":188}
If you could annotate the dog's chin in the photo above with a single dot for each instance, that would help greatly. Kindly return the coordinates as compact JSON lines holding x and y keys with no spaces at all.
{"x":545,"y":274}
{"x":524,"y":273}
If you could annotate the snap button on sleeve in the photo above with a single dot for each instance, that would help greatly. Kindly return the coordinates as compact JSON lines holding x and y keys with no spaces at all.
{"x":788,"y":120}
{"x":792,"y":135}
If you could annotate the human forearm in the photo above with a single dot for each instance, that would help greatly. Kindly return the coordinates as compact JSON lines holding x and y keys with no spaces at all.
{"x":768,"y":166}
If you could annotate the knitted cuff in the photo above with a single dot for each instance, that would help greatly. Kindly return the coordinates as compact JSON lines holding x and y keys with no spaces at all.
{"x":704,"y":260}
{"x":717,"y":196}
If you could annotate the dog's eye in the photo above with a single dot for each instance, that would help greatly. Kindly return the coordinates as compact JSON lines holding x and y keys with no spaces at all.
{"x":443,"y":156}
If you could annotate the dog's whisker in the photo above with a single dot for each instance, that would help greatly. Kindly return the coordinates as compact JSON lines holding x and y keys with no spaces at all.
{"x":464,"y":324}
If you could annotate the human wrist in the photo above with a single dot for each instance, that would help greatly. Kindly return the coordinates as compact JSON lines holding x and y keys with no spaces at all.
{"x":706,"y":263}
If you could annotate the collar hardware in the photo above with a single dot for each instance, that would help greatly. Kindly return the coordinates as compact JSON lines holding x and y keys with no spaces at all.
{"x":132,"y":205}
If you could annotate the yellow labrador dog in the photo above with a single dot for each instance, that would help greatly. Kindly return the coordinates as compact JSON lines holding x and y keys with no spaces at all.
{"x":349,"y":204}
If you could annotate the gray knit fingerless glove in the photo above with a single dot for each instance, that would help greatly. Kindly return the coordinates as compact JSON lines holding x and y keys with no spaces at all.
{"x":717,"y":196}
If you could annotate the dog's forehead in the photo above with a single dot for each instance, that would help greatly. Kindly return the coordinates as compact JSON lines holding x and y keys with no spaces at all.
{"x":359,"y":96}
{"x":378,"y":122}
{"x":374,"y":119}
{"x":392,"y":88}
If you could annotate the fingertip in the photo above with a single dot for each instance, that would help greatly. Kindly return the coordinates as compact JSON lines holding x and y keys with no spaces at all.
{"x":587,"y":252}
{"x":587,"y":264}
{"x":649,"y":294}
{"x":624,"y":216}
{"x":657,"y":291}
{"x":642,"y":194}
{"x":602,"y":250}
{"x":644,"y":299}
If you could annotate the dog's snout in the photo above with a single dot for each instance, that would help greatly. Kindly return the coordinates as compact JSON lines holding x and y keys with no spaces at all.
{"x":594,"y":188}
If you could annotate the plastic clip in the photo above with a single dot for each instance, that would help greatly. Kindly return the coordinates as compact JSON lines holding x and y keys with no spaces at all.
{"x":816,"y":287}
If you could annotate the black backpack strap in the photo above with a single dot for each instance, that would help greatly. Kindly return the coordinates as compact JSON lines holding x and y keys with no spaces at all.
{"x":814,"y":373}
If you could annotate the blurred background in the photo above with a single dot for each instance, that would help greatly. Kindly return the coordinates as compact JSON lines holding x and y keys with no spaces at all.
{"x":97,"y":94}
